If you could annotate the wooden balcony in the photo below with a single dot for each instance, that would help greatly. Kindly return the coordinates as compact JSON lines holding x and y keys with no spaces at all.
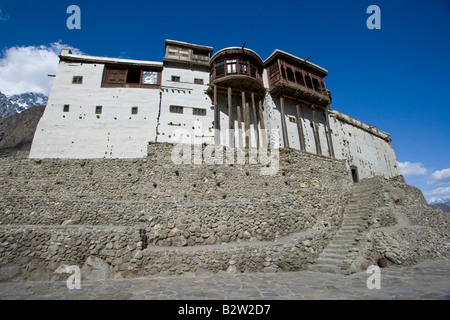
{"x":238,"y":69}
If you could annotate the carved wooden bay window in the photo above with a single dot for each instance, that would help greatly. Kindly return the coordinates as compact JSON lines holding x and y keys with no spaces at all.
{"x":131,"y":77}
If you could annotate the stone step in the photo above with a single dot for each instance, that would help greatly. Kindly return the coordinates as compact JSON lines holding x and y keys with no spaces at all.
{"x":340,"y":251}
{"x":350,"y":227}
{"x":324,"y":268}
{"x":329,"y":261}
{"x":326,"y":255}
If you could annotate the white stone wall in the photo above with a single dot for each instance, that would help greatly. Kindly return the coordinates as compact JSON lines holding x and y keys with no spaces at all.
{"x":81,"y":133}
{"x":175,"y":127}
{"x":363,"y":146}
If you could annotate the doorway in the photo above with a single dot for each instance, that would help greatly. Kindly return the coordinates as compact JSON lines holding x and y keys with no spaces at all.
{"x":354,"y":171}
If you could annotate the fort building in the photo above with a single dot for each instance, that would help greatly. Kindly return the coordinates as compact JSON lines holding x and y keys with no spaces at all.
{"x":113,"y":108}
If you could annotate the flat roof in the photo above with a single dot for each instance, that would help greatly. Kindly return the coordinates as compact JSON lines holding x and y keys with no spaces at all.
{"x":277,"y":51}
{"x":67,"y":54}
{"x":192,"y":45}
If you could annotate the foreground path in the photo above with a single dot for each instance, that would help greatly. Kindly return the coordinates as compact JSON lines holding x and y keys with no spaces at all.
{"x":427,"y":280}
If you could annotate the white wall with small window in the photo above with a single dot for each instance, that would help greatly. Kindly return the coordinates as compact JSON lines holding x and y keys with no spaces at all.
{"x":85,"y":120}
{"x":186,"y":111}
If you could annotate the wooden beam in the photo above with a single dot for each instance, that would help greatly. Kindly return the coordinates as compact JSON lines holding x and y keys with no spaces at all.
{"x":216,"y":119}
{"x":255,"y":120}
{"x":300,"y":129}
{"x":246,"y":121}
{"x":283,"y":123}
{"x":300,"y":100}
{"x":329,"y":134}
{"x":316,"y":131}
{"x":230,"y":120}
{"x":239,"y":126}
{"x":263,"y":127}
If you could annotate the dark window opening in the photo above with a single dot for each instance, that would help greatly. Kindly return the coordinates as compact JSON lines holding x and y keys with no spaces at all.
{"x":283,"y":72}
{"x":98,"y":109}
{"x":354,"y":174}
{"x":316,"y":84}
{"x":308,"y":81}
{"x":176,"y":109}
{"x":253,"y":71}
{"x":175,"y":78}
{"x":292,"y":119}
{"x":134,"y":110}
{"x":290,"y":74}
{"x":198,"y":81}
{"x":66,"y":108}
{"x":199,"y":112}
{"x":134,"y":76}
{"x":77,"y":80}
{"x":299,"y":78}
{"x":220,"y":68}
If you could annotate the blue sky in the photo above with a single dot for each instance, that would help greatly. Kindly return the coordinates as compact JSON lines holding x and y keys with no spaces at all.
{"x":396,"y":78}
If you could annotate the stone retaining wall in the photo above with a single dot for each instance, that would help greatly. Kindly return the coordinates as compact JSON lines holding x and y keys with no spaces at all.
{"x":150,"y":216}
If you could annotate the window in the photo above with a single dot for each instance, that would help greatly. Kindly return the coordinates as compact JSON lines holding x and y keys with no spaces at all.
{"x":243,"y":66}
{"x":134,"y":76}
{"x":175,"y":78}
{"x":176,"y":109}
{"x":292,"y":119}
{"x":308,"y":81}
{"x":220,"y":68}
{"x":299,"y":78}
{"x":77,"y":80}
{"x":198,"y":81}
{"x":66,"y":108}
{"x":253,"y":71}
{"x":98,"y":109}
{"x":199,"y":112}
{"x":283,"y":72}
{"x":290,"y":74}
{"x":134,"y":110}
{"x":123,"y":77}
{"x":149,"y":77}
{"x":316,"y":84}
{"x":231,"y":66}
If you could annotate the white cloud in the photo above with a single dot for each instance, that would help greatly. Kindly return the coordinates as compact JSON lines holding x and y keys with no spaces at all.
{"x":438,"y":195}
{"x":440,"y":177}
{"x":412,"y":169}
{"x":26,"y":69}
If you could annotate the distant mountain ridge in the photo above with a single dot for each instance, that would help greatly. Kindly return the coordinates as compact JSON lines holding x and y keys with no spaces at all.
{"x":444,"y":206}
{"x":18,"y":103}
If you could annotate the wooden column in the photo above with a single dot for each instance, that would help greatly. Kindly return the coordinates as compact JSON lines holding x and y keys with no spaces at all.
{"x":230,"y":120}
{"x":263,"y":127}
{"x":239,"y":126}
{"x":316,"y":131}
{"x":283,"y":123}
{"x":300,"y":129}
{"x":329,"y":134}
{"x":246,"y":121}
{"x":255,"y":120}
{"x":216,"y":119}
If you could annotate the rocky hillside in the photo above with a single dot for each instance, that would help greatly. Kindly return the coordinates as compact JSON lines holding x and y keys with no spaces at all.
{"x":17,"y":131}
{"x":18,"y":103}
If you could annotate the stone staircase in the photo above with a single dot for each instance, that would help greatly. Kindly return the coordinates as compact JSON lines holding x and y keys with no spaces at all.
{"x":342,"y":250}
